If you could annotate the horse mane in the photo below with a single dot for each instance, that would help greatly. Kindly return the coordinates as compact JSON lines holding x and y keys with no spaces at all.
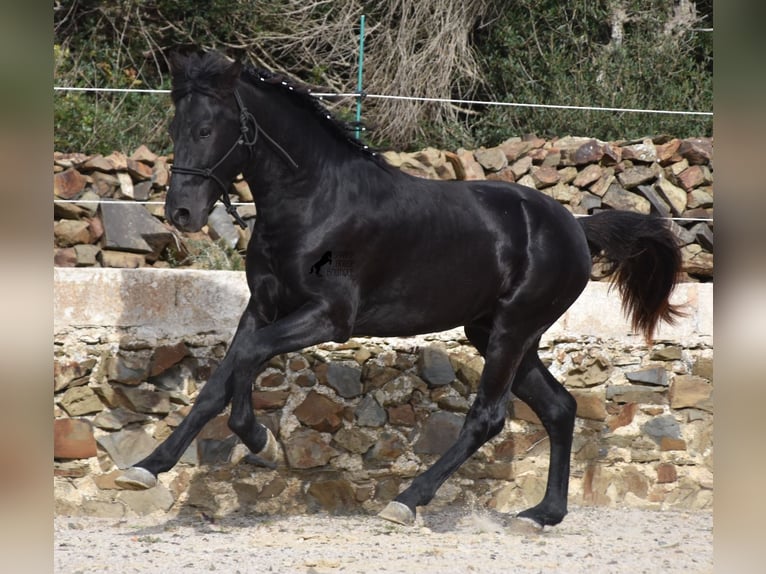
{"x":201,"y":72}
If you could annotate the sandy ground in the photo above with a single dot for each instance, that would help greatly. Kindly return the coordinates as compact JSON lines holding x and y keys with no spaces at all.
{"x":590,"y":540}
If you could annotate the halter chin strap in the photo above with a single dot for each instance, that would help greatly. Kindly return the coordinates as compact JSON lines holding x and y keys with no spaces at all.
{"x":249,"y":130}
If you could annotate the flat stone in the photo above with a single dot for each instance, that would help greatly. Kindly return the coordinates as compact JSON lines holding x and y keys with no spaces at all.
{"x":354,"y":440}
{"x":644,"y":152}
{"x":369,"y":413}
{"x":387,"y":448}
{"x":139,"y":171}
{"x":469,"y":369}
{"x":130,"y":227}
{"x":147,"y":400}
{"x":612,"y":155}
{"x":691,"y":391}
{"x":703,"y":367}
{"x":667,"y":353}
{"x":471,"y":168}
{"x":166,"y":356}
{"x":637,"y":175}
{"x":694,"y":176}
{"x":306,"y":448}
{"x":668,"y":152}
{"x":68,"y":184}
{"x":641,"y":394}
{"x":588,"y":175}
{"x":601,"y":186}
{"x":514,"y":149}
{"x":704,"y":235}
{"x":401,"y":415}
{"x":270,"y":400}
{"x":117,"y":418}
{"x":98,"y":163}
{"x":222,"y":227}
{"x":319,"y":412}
{"x":624,"y":416}
{"x":438,"y":433}
{"x":398,"y":391}
{"x":346,"y":380}
{"x":121,"y":260}
{"x":545,"y":176}
{"x":654,"y":376}
{"x":144,"y":502}
{"x":589,"y":201}
{"x":590,"y":152}
{"x":128,"y":368}
{"x":587,"y":375}
{"x":73,"y":439}
{"x":79,"y":401}
{"x":590,"y":404}
{"x":104,"y":184}
{"x":618,"y":198}
{"x":71,"y":373}
{"x":69,"y":232}
{"x":127,"y":447}
{"x":492,"y":159}
{"x":160,"y":174}
{"x":699,"y":197}
{"x":666,"y":473}
{"x":659,"y":205}
{"x":143,"y":154}
{"x":334,"y":495}
{"x":665,"y":426}
{"x":521,"y":166}
{"x":697,"y":151}
{"x":434,"y":367}
{"x":675,"y":196}
{"x":86,"y":255}
{"x":376,"y":375}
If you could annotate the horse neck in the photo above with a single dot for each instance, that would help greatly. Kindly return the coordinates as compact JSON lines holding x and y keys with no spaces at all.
{"x":321,"y":156}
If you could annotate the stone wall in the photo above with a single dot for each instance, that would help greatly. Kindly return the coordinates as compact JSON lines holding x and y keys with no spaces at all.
{"x":662,"y":175}
{"x":357,"y":421}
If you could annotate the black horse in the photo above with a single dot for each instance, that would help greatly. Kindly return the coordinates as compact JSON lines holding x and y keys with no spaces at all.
{"x":502,"y":260}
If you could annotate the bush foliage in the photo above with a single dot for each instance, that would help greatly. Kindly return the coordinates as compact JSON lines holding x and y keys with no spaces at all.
{"x":645,"y":54}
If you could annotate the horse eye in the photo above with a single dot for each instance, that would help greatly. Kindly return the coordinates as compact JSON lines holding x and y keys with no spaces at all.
{"x":204,"y":132}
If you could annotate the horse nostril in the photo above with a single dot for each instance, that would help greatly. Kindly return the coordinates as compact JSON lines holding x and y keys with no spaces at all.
{"x":181,"y":217}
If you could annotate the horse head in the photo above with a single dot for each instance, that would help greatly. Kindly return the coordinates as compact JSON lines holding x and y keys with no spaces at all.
{"x":212,"y":135}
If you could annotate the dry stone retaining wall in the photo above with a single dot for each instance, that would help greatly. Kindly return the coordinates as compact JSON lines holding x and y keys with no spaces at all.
{"x":662,"y":175}
{"x":356,"y":421}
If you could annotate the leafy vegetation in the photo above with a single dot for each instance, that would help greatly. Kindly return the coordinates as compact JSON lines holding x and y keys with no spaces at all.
{"x":646,"y":54}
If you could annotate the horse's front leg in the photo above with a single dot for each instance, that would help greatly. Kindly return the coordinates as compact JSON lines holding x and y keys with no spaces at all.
{"x":251,"y":347}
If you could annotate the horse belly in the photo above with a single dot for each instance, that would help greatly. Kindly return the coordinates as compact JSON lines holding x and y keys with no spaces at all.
{"x":427,"y":300}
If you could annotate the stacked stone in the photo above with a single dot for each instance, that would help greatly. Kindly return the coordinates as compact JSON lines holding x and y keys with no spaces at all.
{"x":356,"y":421}
{"x":662,"y":175}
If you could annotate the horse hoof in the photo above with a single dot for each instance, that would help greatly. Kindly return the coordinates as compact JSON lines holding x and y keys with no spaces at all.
{"x":269,"y":453}
{"x":526,"y":525}
{"x":136,"y":478}
{"x":399,"y":513}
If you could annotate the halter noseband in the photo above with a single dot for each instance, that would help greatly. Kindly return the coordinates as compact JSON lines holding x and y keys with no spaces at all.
{"x":248,"y":136}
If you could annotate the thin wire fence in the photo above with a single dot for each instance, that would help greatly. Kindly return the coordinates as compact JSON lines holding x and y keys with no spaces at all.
{"x":423,"y":99}
{"x":360,"y":95}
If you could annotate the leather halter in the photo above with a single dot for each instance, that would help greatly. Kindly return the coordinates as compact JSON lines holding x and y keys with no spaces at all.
{"x":249,"y":130}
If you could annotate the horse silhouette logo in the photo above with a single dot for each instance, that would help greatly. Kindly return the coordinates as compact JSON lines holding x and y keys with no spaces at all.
{"x":324,"y":260}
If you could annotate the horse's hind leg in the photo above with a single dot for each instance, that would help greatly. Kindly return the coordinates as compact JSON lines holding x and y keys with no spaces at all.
{"x":555,"y":407}
{"x":504,"y":349}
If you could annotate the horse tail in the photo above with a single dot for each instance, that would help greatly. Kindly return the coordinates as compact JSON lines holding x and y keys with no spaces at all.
{"x":644,"y":260}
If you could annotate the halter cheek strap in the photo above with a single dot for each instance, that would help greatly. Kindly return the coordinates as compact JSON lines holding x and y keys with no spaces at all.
{"x":248,"y":137}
